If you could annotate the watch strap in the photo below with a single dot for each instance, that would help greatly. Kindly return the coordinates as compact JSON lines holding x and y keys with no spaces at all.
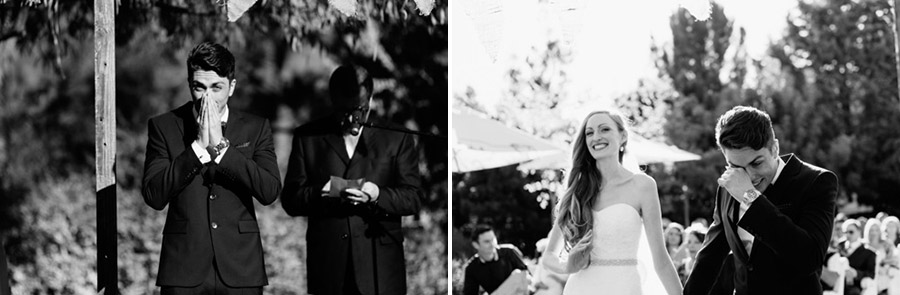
{"x":223,"y":144}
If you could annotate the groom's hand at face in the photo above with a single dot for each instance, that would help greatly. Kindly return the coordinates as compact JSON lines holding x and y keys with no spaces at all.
{"x":736,"y":181}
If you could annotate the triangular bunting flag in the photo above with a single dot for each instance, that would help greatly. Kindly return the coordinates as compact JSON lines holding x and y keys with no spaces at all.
{"x":236,"y":8}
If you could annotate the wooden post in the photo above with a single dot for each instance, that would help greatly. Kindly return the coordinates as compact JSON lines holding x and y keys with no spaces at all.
{"x":105,"y":145}
{"x":686,"y":201}
{"x":896,"y":43}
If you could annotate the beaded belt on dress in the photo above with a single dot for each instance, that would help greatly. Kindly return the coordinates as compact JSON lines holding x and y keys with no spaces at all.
{"x":613,"y":262}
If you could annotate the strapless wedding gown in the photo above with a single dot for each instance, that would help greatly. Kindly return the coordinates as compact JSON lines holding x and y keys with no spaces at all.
{"x":614,"y":266}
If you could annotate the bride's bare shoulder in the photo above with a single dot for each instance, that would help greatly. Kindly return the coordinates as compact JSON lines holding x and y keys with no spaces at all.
{"x":643,"y":181}
{"x":645,"y":185}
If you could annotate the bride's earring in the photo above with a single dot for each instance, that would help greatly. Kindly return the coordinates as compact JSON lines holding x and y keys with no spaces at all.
{"x":622,"y":148}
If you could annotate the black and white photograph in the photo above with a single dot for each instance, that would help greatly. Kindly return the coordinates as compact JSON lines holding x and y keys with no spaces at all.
{"x":675,"y":147}
{"x":224,"y":147}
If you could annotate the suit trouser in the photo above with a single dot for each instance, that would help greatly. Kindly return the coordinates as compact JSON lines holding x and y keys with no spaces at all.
{"x":212,"y":285}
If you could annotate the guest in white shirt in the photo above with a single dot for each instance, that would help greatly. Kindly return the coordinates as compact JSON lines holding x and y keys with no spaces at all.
{"x":890,"y":266}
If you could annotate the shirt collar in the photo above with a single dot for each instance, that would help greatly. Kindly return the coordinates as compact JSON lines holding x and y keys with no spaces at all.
{"x":496,"y":255}
{"x":781,"y":165}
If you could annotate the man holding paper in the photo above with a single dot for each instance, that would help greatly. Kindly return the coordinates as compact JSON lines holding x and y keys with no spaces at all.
{"x":354,"y":183}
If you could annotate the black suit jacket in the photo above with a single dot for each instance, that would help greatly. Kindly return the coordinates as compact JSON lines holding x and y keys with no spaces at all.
{"x":791,"y":224}
{"x":863,"y":261}
{"x":211,"y":213}
{"x":368,"y":234}
{"x":4,"y":273}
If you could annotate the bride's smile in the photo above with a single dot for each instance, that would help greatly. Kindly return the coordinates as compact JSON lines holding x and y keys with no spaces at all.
{"x":600,"y":146}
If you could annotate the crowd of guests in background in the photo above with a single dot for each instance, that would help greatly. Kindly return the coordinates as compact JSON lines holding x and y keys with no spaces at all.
{"x":683,"y":244}
{"x":863,"y":259}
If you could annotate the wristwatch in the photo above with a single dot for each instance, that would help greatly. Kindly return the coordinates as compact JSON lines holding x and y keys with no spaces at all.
{"x":216,"y":150}
{"x":750,"y":195}
{"x":222,"y":145}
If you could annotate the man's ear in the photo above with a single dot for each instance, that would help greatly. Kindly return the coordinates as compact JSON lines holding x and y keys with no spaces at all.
{"x":775,"y":148}
{"x":233,"y":84}
{"x":475,"y":245}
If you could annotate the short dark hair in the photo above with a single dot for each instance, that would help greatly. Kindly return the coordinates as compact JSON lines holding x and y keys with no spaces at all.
{"x":345,"y":84}
{"x":480,"y":229}
{"x":744,"y":126}
{"x":210,"y":56}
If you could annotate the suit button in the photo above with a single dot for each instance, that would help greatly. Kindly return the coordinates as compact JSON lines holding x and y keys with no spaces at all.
{"x":344,"y":236}
{"x":212,"y":196}
{"x":214,"y":225}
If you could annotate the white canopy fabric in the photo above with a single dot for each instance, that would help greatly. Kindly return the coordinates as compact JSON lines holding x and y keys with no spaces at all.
{"x":480,"y":143}
{"x":642,"y":150}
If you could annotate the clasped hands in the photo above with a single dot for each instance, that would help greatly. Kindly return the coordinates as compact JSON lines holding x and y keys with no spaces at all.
{"x":736,"y":181}
{"x":210,"y":131}
{"x":356,"y":193}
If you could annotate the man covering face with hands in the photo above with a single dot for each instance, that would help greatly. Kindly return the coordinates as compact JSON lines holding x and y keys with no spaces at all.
{"x":207,"y":163}
{"x":773,"y":216}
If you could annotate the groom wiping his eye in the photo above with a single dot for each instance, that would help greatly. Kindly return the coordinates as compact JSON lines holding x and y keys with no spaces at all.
{"x":773,"y":215}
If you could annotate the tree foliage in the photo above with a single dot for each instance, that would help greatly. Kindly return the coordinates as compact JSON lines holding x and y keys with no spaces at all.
{"x":701,"y":75}
{"x":838,"y":57}
{"x":532,"y":101}
{"x":829,"y":85}
{"x":47,"y":224}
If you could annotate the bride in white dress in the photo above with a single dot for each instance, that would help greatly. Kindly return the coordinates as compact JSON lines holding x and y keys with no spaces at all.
{"x":598,"y":222}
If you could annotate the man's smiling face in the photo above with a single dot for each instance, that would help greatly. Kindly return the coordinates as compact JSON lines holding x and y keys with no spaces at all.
{"x":761,"y":164}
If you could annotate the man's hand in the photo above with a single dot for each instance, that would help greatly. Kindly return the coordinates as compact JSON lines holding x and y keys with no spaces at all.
{"x":203,"y":120}
{"x":215,"y":123}
{"x":736,"y":181}
{"x":851,"y":275}
{"x":367,"y":193}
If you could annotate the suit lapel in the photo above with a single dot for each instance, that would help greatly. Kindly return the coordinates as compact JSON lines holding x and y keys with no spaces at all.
{"x":186,"y":123}
{"x":777,"y":192}
{"x":232,"y":132}
{"x":336,"y":142}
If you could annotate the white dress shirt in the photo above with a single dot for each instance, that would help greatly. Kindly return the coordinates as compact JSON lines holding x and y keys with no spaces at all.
{"x":350,"y":142}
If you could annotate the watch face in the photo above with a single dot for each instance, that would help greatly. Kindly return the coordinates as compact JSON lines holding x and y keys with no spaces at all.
{"x":751,"y":195}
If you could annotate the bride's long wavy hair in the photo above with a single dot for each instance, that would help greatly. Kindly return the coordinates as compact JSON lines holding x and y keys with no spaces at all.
{"x":574,"y":216}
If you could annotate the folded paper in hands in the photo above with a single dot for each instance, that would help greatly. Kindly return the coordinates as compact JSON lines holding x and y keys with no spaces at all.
{"x":338,"y":185}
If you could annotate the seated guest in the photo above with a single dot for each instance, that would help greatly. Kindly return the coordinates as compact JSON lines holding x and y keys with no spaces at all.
{"x":874,"y":242}
{"x":890,"y":266}
{"x":685,"y":255}
{"x":862,"y":259}
{"x":830,"y":276}
{"x":674,"y":239}
{"x":494,"y":265}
